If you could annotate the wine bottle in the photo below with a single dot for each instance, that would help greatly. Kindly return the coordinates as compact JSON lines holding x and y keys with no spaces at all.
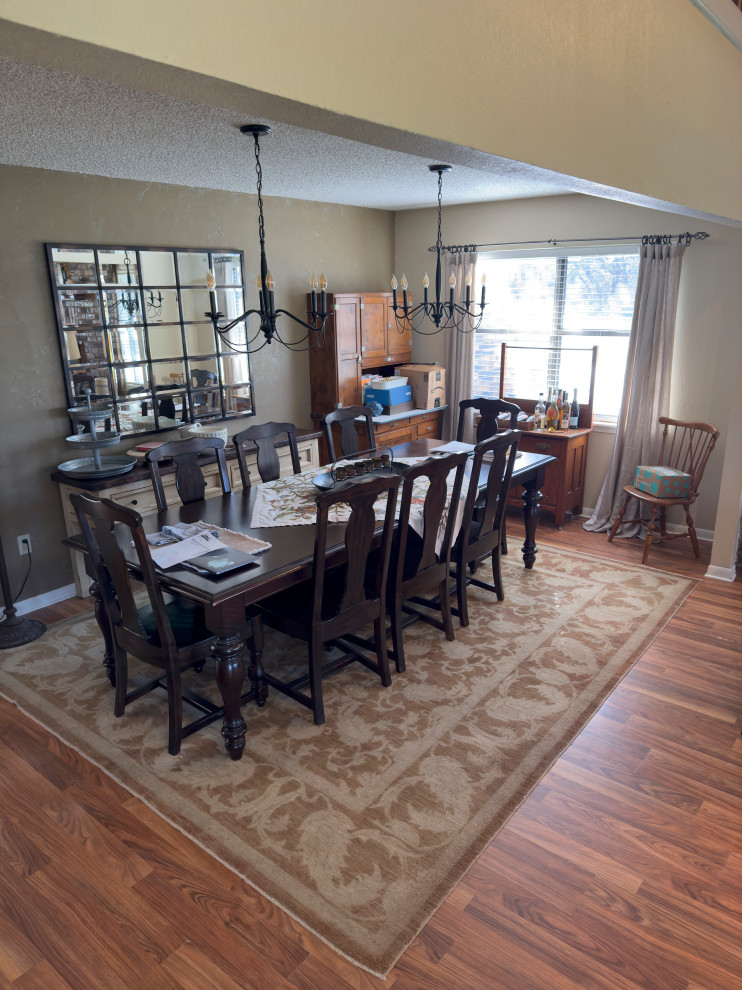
{"x":565,"y":413}
{"x":574,"y":412}
{"x":539,"y":416}
{"x":558,"y":404}
{"x":552,"y":417}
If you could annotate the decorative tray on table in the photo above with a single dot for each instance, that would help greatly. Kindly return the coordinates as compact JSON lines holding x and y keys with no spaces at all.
{"x":356,"y":467}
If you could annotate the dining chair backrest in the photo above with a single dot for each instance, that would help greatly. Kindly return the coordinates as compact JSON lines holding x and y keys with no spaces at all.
{"x":344,"y":419}
{"x":489,"y":410}
{"x":262,"y":438}
{"x":419,"y":559}
{"x":358,"y":600}
{"x":107,"y":527}
{"x":686,"y":447}
{"x":186,"y":455}
{"x":485,"y":504}
{"x":421,"y":563}
{"x":484,"y":516}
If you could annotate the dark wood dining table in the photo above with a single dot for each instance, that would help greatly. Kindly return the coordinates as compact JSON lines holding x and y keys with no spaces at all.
{"x":289,"y":561}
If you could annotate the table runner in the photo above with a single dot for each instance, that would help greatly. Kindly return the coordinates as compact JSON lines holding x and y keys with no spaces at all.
{"x":291,"y":501}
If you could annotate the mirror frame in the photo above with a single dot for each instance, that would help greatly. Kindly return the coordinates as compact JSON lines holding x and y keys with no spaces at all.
{"x":195,"y":397}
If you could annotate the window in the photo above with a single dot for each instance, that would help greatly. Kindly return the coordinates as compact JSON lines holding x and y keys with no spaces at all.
{"x":564,"y":300}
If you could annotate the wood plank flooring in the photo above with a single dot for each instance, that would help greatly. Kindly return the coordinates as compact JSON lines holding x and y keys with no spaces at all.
{"x":622,"y":870}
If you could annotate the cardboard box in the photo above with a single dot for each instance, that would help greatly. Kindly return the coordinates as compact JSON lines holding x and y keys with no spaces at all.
{"x":428,"y":383}
{"x":663,"y":482}
{"x":388,"y":396}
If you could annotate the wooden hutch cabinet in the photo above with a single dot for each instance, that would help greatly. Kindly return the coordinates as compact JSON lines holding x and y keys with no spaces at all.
{"x":564,"y":485}
{"x":361,"y":338}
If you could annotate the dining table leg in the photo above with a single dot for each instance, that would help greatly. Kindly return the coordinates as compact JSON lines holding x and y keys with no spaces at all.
{"x":101,"y":618}
{"x":229,"y":654}
{"x":531,"y":496}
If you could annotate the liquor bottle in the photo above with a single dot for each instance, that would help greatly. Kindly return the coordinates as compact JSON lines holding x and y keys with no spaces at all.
{"x":564,"y":418}
{"x":574,"y":412}
{"x":552,"y":417}
{"x":558,"y":404}
{"x":539,"y":413}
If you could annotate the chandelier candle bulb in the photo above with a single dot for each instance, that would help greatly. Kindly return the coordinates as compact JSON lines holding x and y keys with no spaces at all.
{"x":426,"y":283}
{"x":211,"y":284}
{"x":468,"y":289}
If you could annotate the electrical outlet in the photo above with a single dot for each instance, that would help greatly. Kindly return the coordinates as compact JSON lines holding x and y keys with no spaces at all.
{"x":24,"y":548}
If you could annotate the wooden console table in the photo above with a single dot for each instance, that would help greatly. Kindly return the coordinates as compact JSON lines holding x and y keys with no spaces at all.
{"x":135,"y":491}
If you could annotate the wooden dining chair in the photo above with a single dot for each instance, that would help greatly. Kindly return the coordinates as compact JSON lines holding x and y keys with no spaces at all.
{"x":489,"y":410}
{"x":344,"y":419}
{"x":165,"y":631}
{"x":339,"y":599}
{"x":263,"y":439}
{"x":186,"y":455}
{"x":417,"y":564}
{"x":686,"y":447}
{"x":484,"y":512}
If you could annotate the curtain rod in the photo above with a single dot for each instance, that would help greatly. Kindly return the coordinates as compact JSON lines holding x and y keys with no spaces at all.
{"x":686,"y":237}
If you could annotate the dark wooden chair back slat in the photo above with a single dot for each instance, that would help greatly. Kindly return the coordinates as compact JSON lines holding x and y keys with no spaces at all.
{"x":355,"y":607}
{"x":417,"y":565}
{"x":262,"y":438}
{"x":489,"y":410}
{"x":484,"y":515}
{"x":345,"y":421}
{"x":345,"y":593}
{"x":186,"y":455}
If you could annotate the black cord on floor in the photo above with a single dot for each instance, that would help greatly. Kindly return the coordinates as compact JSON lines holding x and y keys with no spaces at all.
{"x":30,"y":561}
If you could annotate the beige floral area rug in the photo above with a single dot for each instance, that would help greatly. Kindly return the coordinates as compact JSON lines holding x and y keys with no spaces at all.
{"x":360,"y":828}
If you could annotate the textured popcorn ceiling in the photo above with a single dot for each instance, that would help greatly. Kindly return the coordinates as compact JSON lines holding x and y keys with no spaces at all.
{"x":55,"y":120}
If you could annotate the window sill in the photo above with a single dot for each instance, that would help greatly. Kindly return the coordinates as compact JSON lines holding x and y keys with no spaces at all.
{"x":604,"y":427}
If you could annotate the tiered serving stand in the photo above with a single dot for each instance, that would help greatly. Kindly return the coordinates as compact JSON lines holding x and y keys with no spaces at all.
{"x":97,"y":465}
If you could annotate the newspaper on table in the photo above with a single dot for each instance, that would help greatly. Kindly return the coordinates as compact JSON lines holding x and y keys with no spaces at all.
{"x":174,"y":544}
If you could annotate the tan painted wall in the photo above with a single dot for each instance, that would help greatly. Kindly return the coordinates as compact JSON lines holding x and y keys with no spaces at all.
{"x":708,"y":342}
{"x":639,"y":95}
{"x":353,"y":246}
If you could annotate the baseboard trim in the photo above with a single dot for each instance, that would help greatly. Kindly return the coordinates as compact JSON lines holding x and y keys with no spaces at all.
{"x":721,"y":573}
{"x":48,"y":598}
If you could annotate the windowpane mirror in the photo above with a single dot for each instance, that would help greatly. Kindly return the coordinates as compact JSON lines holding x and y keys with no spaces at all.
{"x":133,"y":330}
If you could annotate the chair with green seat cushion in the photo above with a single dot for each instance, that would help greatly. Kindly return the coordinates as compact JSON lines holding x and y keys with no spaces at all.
{"x":166,"y":632}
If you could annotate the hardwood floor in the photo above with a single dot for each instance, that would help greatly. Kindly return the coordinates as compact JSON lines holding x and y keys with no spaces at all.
{"x":622,"y":869}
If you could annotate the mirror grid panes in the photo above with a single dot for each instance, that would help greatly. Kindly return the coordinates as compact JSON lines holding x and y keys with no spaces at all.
{"x":132,"y":329}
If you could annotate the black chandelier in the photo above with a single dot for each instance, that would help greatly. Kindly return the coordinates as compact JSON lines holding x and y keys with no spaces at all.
{"x":268,"y":328}
{"x":128,"y":302}
{"x":443,"y":315}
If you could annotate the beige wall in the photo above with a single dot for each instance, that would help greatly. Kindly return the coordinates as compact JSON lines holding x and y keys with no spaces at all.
{"x":708,"y":342}
{"x":643,"y":96}
{"x":353,"y":246}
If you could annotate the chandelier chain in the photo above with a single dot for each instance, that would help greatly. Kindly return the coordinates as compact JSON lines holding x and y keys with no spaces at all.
{"x":259,"y":171}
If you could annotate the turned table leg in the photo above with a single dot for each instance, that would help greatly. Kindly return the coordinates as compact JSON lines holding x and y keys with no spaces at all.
{"x":101,"y":618}
{"x":531,"y":514}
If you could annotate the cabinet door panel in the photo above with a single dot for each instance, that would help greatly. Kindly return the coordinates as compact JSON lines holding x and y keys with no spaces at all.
{"x":398,"y":345}
{"x":373,"y":330}
{"x":348,"y":336}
